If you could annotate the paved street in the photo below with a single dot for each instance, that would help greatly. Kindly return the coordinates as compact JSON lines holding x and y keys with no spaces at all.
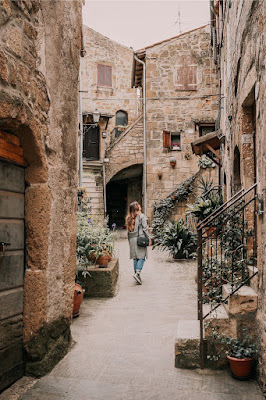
{"x":125,"y":345}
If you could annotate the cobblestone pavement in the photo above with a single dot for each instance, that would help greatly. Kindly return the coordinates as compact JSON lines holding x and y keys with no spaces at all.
{"x":125,"y":345}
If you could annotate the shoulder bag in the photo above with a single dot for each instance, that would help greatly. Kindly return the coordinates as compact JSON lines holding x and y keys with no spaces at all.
{"x":142,"y":241}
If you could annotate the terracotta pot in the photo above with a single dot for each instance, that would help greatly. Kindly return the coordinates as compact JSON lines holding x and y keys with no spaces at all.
{"x":91,"y":256}
{"x":78,"y":297}
{"x":241,"y":368}
{"x":103,"y":261}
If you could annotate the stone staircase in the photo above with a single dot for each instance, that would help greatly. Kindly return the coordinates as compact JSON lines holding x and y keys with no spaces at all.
{"x":227,"y":284}
{"x":228,"y":318}
{"x":92,"y":182}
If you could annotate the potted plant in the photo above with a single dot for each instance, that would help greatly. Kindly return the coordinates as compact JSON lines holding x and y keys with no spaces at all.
{"x":240,"y":352}
{"x":177,"y":239}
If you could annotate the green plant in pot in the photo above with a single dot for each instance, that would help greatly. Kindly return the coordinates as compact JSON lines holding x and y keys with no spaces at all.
{"x":177,"y":239}
{"x":240,"y":352}
{"x":208,"y":201}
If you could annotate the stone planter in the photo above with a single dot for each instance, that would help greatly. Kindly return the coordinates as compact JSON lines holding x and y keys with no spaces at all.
{"x":102,"y":282}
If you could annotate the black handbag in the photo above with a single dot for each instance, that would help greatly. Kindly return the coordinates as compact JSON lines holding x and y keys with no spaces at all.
{"x":142,"y":241}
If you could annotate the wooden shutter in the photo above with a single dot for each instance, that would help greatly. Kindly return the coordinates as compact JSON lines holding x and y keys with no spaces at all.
{"x":167,"y":139}
{"x":186,"y":74}
{"x":100,"y":75}
{"x":108,"y":76}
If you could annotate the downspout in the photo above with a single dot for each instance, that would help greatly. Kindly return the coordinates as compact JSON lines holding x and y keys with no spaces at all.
{"x":144,"y":136}
{"x":82,"y":54}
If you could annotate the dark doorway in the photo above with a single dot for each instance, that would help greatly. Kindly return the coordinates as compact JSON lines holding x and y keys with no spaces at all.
{"x":236,"y":171}
{"x":125,"y":187}
{"x":116,"y":200}
{"x":91,"y":142}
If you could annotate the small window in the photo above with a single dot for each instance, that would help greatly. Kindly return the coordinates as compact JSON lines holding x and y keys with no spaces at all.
{"x":104,"y":75}
{"x":205,"y":128}
{"x":171,"y":140}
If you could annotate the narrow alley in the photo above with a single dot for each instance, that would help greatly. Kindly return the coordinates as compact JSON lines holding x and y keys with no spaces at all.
{"x":124,"y":346}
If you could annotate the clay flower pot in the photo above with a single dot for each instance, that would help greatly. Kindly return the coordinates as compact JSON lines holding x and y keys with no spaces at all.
{"x":241,"y":368}
{"x":78,"y":297}
{"x":103,"y":261}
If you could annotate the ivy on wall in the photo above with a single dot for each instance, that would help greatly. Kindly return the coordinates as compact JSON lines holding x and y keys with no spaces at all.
{"x":163,"y":209}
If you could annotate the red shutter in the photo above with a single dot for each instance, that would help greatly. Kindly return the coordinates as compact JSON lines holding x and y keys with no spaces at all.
{"x":101,"y":75}
{"x":108,"y":76}
{"x":167,"y":139}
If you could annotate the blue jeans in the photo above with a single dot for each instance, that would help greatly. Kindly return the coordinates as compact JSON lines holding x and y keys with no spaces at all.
{"x":138,"y":264}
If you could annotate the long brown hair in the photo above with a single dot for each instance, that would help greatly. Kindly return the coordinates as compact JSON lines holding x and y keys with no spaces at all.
{"x":131,"y":216}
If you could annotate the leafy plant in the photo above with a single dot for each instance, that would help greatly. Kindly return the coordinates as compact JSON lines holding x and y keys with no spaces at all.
{"x":93,"y":239}
{"x":204,"y":162}
{"x":164,"y":208}
{"x":208,"y":201}
{"x":241,"y":348}
{"x":177,"y":239}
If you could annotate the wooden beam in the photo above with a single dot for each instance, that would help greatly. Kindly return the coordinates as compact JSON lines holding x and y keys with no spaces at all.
{"x":215,"y":152}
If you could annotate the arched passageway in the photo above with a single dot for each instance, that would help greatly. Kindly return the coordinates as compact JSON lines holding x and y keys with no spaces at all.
{"x":123,"y":188}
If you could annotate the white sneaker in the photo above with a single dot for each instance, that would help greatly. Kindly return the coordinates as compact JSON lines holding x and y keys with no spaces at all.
{"x":138,"y":278}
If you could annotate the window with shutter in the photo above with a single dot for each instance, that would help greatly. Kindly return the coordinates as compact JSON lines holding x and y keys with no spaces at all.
{"x":186,"y":74}
{"x":167,"y":139}
{"x":104,"y":75}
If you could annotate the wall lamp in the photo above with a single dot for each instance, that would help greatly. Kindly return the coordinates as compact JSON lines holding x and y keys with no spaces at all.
{"x":96,"y":116}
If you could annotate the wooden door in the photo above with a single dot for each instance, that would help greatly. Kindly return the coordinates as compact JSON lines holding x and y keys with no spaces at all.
{"x":91,"y":148}
{"x":12,"y":187}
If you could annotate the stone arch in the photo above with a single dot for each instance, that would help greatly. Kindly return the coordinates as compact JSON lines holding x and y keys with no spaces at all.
{"x":114,"y":169}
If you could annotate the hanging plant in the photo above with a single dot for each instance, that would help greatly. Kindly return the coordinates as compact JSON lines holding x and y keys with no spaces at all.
{"x":204,"y":162}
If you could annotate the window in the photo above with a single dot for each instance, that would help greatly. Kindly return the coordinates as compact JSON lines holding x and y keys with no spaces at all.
{"x":171,"y":140}
{"x":205,"y":128}
{"x":104,"y":75}
{"x":120,"y":120}
{"x":186,"y":74}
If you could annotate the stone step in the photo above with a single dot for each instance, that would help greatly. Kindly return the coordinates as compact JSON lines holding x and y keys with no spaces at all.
{"x":254,"y":282}
{"x":187,"y":344}
{"x":218,"y":320}
{"x":96,"y":201}
{"x":245,"y":300}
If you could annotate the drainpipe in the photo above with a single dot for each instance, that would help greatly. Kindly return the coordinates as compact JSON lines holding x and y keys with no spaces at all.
{"x":80,"y":132}
{"x":144,"y":136}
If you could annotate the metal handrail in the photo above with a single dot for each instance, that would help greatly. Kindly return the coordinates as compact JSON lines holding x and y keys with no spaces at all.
{"x":214,"y":251}
{"x":221,"y":209}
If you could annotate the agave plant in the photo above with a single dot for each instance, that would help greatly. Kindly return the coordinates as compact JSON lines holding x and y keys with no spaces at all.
{"x":207,"y":202}
{"x":177,"y":239}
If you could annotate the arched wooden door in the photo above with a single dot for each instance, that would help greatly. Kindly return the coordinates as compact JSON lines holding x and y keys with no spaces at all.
{"x":12,"y":188}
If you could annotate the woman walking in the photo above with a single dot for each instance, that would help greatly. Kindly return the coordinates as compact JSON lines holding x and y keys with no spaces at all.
{"x":136,"y":224}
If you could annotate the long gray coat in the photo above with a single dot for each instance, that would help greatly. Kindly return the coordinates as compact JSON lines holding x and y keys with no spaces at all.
{"x":135,"y":250}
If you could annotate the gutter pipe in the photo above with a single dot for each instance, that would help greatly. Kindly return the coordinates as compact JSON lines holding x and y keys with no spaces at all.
{"x":144,"y":136}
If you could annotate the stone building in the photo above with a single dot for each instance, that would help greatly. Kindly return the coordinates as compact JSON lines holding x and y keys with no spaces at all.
{"x":181,"y":106}
{"x":39,"y":62}
{"x":238,"y":38}
{"x":106,"y":87}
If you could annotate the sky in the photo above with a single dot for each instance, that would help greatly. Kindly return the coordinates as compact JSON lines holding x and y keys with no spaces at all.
{"x":140,"y":23}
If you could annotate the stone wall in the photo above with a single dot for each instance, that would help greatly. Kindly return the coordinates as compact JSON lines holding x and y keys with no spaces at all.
{"x":176,"y":110}
{"x":126,"y":151}
{"x":39,"y":62}
{"x":242,"y":73}
{"x":120,"y":95}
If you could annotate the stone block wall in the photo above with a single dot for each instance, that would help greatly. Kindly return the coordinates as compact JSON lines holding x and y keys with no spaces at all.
{"x":126,"y":151}
{"x":170,"y":108}
{"x":242,"y":74}
{"x":107,"y":99}
{"x":39,"y":62}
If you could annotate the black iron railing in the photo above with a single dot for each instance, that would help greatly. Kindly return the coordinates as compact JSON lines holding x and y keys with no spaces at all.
{"x":227,"y":251}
